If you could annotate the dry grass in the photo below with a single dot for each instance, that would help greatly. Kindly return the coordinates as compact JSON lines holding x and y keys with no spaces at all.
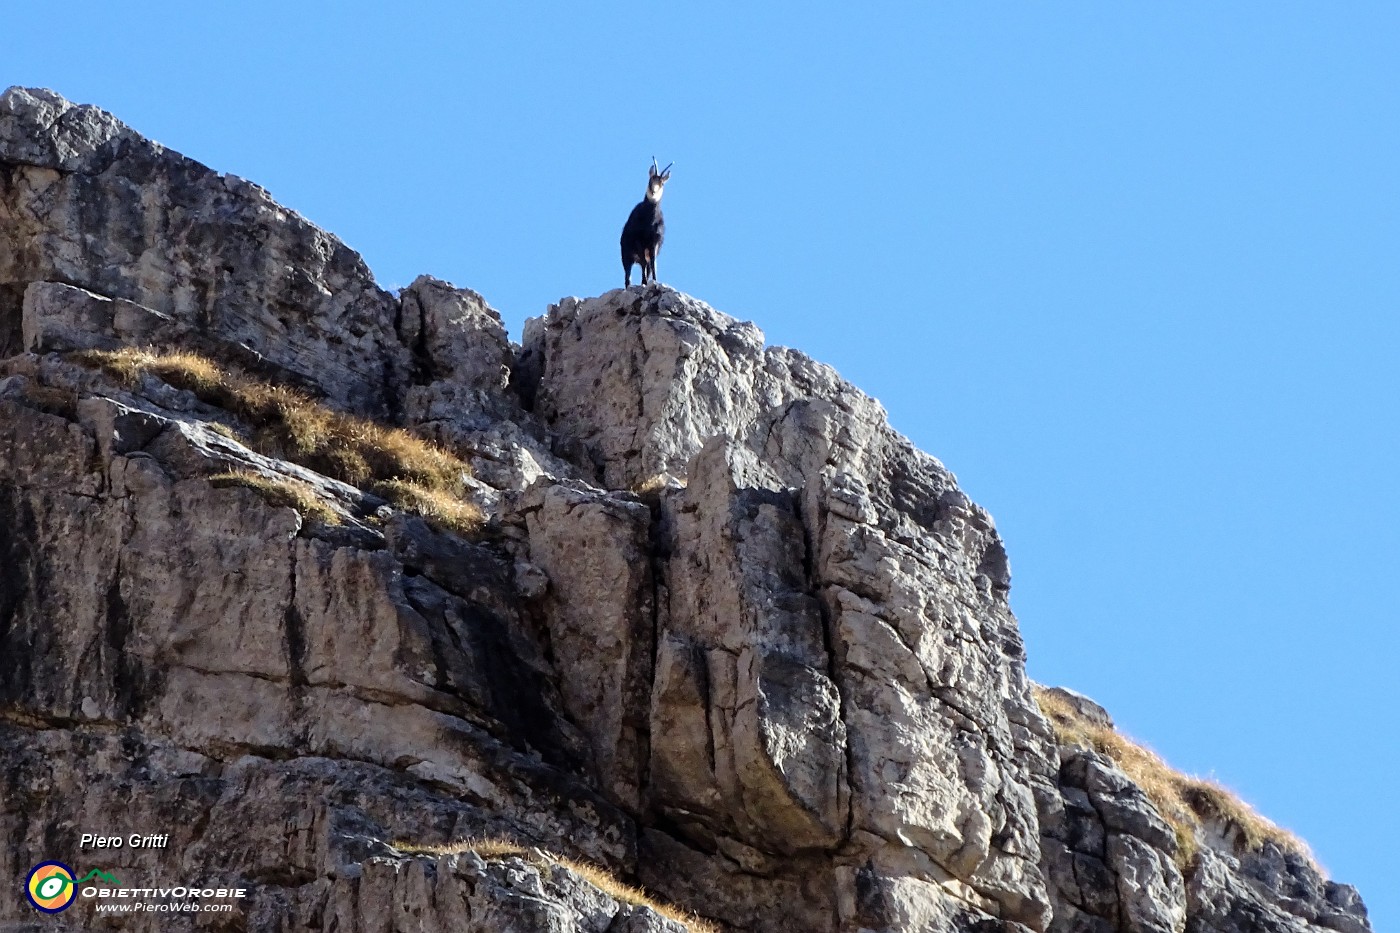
{"x":288,"y":424}
{"x":1187,"y":803}
{"x":493,"y":849}
{"x":458,"y":515}
{"x":1213,"y":801}
{"x":186,"y":370}
{"x":653,"y":485}
{"x":218,"y":427}
{"x":651,"y":489}
{"x":287,"y":492}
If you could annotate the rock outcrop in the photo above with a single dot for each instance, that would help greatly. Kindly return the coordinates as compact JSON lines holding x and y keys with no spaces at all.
{"x":725,"y":632}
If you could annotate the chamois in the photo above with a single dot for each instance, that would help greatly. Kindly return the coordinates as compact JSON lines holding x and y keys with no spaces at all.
{"x":645,"y":229}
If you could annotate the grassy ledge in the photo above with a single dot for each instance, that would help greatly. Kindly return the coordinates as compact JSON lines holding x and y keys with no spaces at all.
{"x":286,"y":492}
{"x":438,"y":507}
{"x":413,"y":474}
{"x":497,"y":849}
{"x":1187,"y":803}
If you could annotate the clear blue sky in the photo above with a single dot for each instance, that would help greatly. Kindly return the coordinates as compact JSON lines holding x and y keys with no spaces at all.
{"x":1130,"y":270}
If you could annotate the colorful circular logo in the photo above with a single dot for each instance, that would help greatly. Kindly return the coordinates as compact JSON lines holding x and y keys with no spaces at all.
{"x":50,"y":887}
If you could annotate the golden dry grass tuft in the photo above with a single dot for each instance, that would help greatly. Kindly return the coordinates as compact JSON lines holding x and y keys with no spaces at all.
{"x":652,"y":485}
{"x":440,"y":508}
{"x":1213,"y":801}
{"x":492,"y":849}
{"x":1187,"y":803}
{"x":286,"y":492}
{"x":418,"y":476}
{"x":649,"y":490}
{"x":186,"y":370}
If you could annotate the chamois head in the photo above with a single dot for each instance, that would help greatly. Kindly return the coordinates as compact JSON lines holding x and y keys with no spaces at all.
{"x":656,"y":180}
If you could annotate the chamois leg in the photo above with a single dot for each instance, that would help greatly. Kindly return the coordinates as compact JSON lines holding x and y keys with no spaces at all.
{"x":626,"y":274}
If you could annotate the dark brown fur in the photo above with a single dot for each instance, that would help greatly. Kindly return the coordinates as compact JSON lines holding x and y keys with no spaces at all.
{"x":645,"y":230}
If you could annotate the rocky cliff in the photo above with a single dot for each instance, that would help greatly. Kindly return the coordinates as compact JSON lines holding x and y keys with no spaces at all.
{"x":685,"y":611}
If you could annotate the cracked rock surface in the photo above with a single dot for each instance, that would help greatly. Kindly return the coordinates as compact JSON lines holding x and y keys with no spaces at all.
{"x":725,"y":633}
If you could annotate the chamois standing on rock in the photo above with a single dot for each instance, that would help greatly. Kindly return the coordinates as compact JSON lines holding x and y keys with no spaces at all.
{"x":645,"y":229}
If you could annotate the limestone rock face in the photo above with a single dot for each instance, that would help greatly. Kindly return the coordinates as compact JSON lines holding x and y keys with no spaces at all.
{"x":86,"y":201}
{"x":1113,"y":863}
{"x":460,"y":392}
{"x":1269,"y":890}
{"x":1109,"y":853}
{"x":725,"y":633}
{"x":631,"y":384}
{"x":598,"y":612}
{"x":465,"y":892}
{"x":838,"y":690}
